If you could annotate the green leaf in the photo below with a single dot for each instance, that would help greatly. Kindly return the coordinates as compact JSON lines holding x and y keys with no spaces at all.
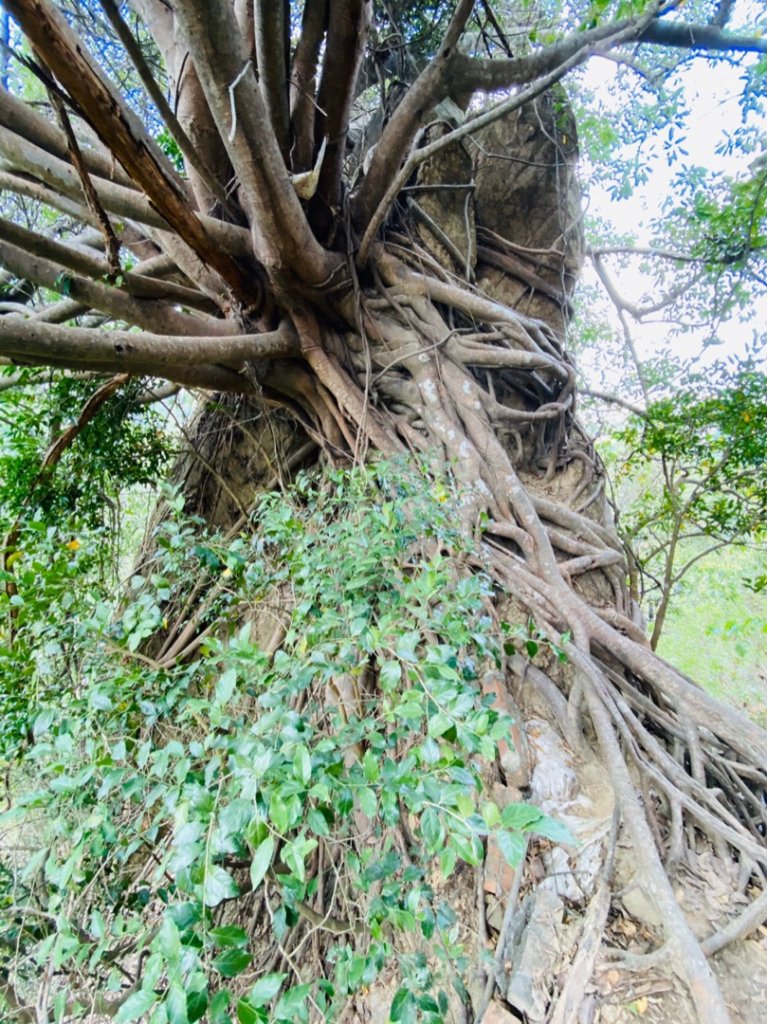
{"x":168,"y":941}
{"x":225,"y":686}
{"x":491,"y":814}
{"x":292,"y":1002}
{"x":249,"y":1014}
{"x":265,"y":989}
{"x":229,"y":935}
{"x":554,"y":830}
{"x":175,"y":1004}
{"x":294,"y":855}
{"x":317,"y":822}
{"x":468,"y":847}
{"x":520,"y":816}
{"x":302,"y":765}
{"x":217,"y":886}
{"x":262,"y":858}
{"x":406,"y":646}
{"x":278,"y":813}
{"x":135,"y":1006}
{"x":390,"y":675}
{"x":183,"y":915}
{"x":439,"y":724}
{"x":447,"y":862}
{"x":402,"y":1007}
{"x":432,"y":830}
{"x":465,"y":804}
{"x":232,"y":962}
{"x":370,"y":767}
{"x":219,"y":1007}
{"x":368,"y":802}
{"x":512,"y":845}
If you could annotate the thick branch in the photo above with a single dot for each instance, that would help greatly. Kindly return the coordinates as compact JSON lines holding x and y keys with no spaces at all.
{"x":24,"y":120}
{"x":474,"y":74}
{"x":418,"y":156}
{"x":272,"y":28}
{"x":132,"y":351}
{"x":185,"y":144}
{"x":700,"y":37}
{"x":429,"y":88}
{"x":303,"y":83}
{"x":347,"y":34}
{"x":17,"y":185}
{"x":24,"y":157}
{"x":282,"y":237}
{"x":147,"y":313}
{"x":118,"y":129}
{"x":82,"y":261}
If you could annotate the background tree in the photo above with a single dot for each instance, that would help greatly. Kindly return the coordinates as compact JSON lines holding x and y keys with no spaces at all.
{"x":322,"y":229}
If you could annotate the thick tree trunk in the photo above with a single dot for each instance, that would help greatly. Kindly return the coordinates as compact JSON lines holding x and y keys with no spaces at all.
{"x":478,"y":381}
{"x":418,"y":309}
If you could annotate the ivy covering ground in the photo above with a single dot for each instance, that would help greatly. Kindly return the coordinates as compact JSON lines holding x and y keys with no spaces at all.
{"x":164,"y":781}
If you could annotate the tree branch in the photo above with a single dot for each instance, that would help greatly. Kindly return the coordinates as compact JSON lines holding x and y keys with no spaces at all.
{"x":111,"y":241}
{"x":700,"y":37}
{"x":147,"y":313}
{"x":272,"y":28}
{"x":81,"y":261}
{"x":282,"y":238}
{"x":27,"y":158}
{"x":603,"y":396}
{"x":303,"y":83}
{"x":24,"y":120}
{"x":429,"y":88}
{"x":119,"y":130}
{"x":474,"y":74}
{"x":133,"y":351}
{"x":185,"y":144}
{"x":420,"y":155}
{"x":348,"y":26}
{"x":34,"y":190}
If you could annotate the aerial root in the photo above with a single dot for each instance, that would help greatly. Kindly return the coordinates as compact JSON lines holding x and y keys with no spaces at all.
{"x":656,"y":752}
{"x":685,"y":769}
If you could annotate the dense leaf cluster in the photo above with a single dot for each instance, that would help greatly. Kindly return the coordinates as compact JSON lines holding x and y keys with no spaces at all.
{"x":124,"y":445}
{"x":167,"y":790}
{"x":711,"y":443}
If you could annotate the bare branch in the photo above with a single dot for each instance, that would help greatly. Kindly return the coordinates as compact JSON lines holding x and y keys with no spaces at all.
{"x":283,"y":240}
{"x":700,"y":37}
{"x":603,"y":396}
{"x":17,"y":185}
{"x":134,"y":351}
{"x":429,"y":88}
{"x":348,"y":26}
{"x":147,"y":313}
{"x":24,"y":157}
{"x":488,"y":75}
{"x":272,"y":29}
{"x":118,"y":129}
{"x":111,"y":242}
{"x":475,"y":74}
{"x":419,"y":155}
{"x":643,"y":250}
{"x":24,"y":120}
{"x":157,"y":96}
{"x":303,"y":83}
{"x":82,"y":261}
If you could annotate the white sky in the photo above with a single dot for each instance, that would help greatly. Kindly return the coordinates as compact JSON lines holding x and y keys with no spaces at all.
{"x":713,"y":100}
